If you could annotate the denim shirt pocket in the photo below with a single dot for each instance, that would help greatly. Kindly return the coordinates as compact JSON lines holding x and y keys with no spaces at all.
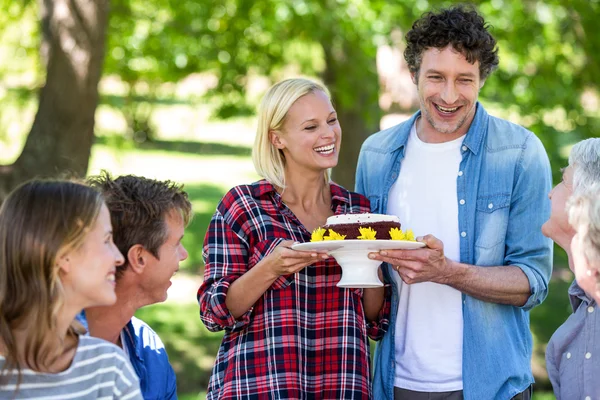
{"x":260,"y":251}
{"x":491,"y":220}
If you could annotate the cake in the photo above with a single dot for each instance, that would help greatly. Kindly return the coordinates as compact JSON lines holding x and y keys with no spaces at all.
{"x":365,"y":226}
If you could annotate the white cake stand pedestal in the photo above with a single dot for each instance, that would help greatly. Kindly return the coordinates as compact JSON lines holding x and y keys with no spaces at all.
{"x":358,"y":270}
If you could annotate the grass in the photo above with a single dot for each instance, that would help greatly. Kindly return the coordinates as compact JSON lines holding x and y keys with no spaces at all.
{"x":191,"y":347}
{"x":206,"y":178}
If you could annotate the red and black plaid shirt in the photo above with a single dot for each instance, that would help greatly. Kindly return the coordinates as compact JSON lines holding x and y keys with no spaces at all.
{"x":305,"y":338}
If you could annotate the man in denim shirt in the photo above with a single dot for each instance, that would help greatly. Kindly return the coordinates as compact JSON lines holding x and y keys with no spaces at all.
{"x":475,"y":187}
{"x":148,"y":219}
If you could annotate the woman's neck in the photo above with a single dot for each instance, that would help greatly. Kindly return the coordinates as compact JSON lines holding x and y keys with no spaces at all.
{"x":306,"y":192}
{"x":57,"y":346}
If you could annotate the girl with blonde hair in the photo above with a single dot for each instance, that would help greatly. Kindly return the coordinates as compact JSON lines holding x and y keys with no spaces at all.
{"x":290,"y":332}
{"x":57,"y":257}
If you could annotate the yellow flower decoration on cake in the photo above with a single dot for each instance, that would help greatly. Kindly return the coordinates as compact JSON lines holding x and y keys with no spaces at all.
{"x":333,"y":235}
{"x":367,"y":233}
{"x":397,"y":234}
{"x":317,"y":235}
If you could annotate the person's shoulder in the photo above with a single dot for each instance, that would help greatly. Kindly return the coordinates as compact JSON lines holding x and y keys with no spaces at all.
{"x":244,"y":192}
{"x":504,"y":133}
{"x":355,"y":199}
{"x":387,"y":139}
{"x":147,"y":338}
{"x":92,"y":347}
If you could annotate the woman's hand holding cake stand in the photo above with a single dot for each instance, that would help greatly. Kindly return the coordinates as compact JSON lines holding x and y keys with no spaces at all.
{"x":283,"y":260}
{"x":350,"y":238}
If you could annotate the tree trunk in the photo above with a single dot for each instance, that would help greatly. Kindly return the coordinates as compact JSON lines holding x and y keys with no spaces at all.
{"x":356,"y":102}
{"x":60,"y":140}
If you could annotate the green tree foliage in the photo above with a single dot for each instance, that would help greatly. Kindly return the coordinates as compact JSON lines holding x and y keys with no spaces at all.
{"x":550,"y":56}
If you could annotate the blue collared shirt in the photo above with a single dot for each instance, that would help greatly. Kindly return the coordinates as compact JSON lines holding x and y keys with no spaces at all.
{"x":573,"y":350}
{"x":504,"y":179}
{"x":149,"y":359}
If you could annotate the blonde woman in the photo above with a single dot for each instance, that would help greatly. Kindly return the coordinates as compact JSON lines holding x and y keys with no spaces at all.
{"x":57,"y":257}
{"x":584,"y":216}
{"x":290,"y":332}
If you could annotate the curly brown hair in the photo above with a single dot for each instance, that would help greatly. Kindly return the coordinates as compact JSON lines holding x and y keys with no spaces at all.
{"x":460,"y":26}
{"x":138,"y":208}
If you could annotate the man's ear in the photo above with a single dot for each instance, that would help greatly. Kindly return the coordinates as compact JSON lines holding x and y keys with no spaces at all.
{"x":137,"y":257}
{"x":414,"y":78}
{"x":481,"y":83}
{"x":276,"y":140}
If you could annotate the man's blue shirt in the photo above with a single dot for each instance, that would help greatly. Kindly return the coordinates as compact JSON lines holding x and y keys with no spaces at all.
{"x":504,"y":178}
{"x":149,"y":359}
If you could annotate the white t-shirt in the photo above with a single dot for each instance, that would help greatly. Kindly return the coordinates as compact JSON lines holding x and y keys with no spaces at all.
{"x":429,"y":326}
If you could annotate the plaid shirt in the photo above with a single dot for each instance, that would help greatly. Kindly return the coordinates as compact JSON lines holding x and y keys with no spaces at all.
{"x":305,"y":338}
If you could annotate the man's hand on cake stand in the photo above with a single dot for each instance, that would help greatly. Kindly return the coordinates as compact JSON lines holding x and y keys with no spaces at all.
{"x":283,"y":260}
{"x":428,"y":264}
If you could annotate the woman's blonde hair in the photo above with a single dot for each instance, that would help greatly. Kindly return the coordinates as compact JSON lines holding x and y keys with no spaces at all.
{"x":39,"y":221}
{"x":268,"y":160}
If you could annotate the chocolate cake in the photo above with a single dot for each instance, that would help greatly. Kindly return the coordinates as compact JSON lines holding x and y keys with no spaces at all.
{"x":349,"y":224}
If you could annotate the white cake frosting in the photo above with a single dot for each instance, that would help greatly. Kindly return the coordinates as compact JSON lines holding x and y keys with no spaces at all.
{"x":362,"y":219}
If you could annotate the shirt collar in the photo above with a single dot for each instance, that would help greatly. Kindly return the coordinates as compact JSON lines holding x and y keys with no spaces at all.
{"x":473,"y":139}
{"x":577,"y":296}
{"x":131,"y":340}
{"x":264,"y":188}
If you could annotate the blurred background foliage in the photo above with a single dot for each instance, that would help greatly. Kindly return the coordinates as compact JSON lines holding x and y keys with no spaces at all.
{"x":181,"y":80}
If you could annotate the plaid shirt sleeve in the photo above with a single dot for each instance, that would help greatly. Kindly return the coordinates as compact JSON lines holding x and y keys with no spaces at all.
{"x":225,"y":255}
{"x":376,"y":329}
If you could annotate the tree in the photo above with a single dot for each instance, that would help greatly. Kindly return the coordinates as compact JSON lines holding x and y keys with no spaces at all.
{"x":549,"y":58}
{"x":236,"y":39}
{"x":72,"y":45}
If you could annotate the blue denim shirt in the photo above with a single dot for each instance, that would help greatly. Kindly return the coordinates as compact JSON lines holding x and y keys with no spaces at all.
{"x":504,"y":179}
{"x":149,"y":359}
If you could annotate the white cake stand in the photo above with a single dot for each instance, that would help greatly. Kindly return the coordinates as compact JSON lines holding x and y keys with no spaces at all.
{"x":358,"y":270}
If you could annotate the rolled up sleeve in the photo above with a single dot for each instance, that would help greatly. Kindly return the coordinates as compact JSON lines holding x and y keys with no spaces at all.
{"x":376,"y":329}
{"x":526,"y":247}
{"x":225,"y":256}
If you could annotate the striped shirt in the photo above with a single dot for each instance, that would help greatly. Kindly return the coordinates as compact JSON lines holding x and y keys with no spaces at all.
{"x":305,"y":338}
{"x":100,"y":370}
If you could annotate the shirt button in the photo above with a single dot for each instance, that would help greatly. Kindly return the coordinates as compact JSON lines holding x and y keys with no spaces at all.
{"x":462,"y":201}
{"x":588,"y":398}
{"x":491,"y":205}
{"x":464,"y":148}
{"x":463,"y":234}
{"x":590,"y":309}
{"x":568,"y":355}
{"x":588,"y":355}
{"x":460,"y":173}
